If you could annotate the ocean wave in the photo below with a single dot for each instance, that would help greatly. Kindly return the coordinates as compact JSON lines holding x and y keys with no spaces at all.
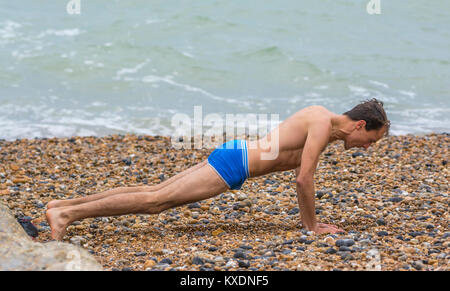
{"x":169,"y":80}
{"x":8,"y":29}
{"x":407,"y":93}
{"x":379,"y":84}
{"x":135,"y":69}
{"x":266,"y":53}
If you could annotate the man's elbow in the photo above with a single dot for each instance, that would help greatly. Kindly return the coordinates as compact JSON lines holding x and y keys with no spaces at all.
{"x":304,"y":181}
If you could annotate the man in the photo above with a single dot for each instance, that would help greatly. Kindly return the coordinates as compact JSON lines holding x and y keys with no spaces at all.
{"x":299,"y":141}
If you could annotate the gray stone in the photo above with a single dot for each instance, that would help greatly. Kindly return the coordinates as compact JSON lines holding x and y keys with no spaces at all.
{"x":418,"y":265}
{"x":345,"y":242}
{"x":344,"y":249}
{"x":19,"y":252}
{"x":197,"y":261}
{"x":330,"y":251}
{"x":243,"y":264}
{"x":239,"y":255}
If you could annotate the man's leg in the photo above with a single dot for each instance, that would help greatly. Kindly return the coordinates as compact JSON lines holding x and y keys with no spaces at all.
{"x":200,"y":184}
{"x":123,"y":190}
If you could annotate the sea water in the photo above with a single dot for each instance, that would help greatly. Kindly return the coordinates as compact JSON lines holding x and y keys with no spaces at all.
{"x":130,"y":66}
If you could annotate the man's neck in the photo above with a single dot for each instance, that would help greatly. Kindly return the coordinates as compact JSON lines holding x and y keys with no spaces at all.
{"x":340,"y":127}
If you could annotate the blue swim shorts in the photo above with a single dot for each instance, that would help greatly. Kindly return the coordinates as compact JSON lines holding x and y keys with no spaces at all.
{"x":231,"y":162}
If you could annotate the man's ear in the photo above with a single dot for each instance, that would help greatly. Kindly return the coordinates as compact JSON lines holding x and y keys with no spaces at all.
{"x":360,"y":124}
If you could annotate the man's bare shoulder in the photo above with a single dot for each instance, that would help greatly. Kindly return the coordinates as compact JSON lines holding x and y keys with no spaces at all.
{"x":315,"y":114}
{"x":317,"y":109}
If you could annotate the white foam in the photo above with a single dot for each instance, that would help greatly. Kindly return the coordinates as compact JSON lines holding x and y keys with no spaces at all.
{"x":86,"y":132}
{"x":187,"y":54}
{"x":24,"y":54}
{"x":69,"y":55}
{"x":150,"y":21}
{"x":379,"y":84}
{"x":57,"y":129}
{"x":313,"y":94}
{"x":97,"y":104}
{"x":407,"y":93}
{"x":62,"y":32}
{"x":8,"y":30}
{"x":133,"y":70}
{"x":359,"y":91}
{"x":423,"y":120}
{"x":168,"y":80}
{"x":429,"y":112}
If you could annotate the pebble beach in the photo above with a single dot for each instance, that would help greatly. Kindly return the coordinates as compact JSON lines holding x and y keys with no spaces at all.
{"x":392,"y":201}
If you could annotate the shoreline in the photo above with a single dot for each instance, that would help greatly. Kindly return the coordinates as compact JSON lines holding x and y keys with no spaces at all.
{"x":392,"y":198}
{"x":153,"y":137}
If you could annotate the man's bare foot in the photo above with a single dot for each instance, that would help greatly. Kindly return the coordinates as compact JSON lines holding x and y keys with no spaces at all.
{"x":54,"y":204}
{"x":58,"y":222}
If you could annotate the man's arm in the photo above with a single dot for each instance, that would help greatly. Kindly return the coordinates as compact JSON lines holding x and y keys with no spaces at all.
{"x":316,"y":141}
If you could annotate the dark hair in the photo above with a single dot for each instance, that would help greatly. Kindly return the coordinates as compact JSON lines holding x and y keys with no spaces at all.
{"x":372,"y":112}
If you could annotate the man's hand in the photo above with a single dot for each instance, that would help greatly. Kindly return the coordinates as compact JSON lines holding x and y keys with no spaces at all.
{"x":327,"y":228}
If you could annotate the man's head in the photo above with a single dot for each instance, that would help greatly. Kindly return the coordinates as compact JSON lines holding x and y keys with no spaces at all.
{"x":370,"y":124}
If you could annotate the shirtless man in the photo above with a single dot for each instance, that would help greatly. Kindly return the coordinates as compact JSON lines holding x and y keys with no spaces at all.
{"x":301,"y":139}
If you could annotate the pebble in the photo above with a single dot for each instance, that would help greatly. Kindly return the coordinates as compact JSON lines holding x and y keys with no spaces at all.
{"x":217,"y":232}
{"x":243,"y":264}
{"x":194,"y":205}
{"x":345,"y":242}
{"x":231,"y":264}
{"x":239,"y":255}
{"x":294,"y":211}
{"x":331,"y":251}
{"x":329,"y":240}
{"x":149,"y":264}
{"x":395,"y":199}
{"x":344,"y":249}
{"x":197,"y":261}
{"x":166,"y":261}
{"x":357,"y":154}
{"x":418,"y":265}
{"x":345,"y":256}
{"x":77,"y":240}
{"x":381,"y":221}
{"x":286,"y":251}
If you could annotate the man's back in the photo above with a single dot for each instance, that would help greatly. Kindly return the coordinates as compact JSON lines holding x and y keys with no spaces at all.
{"x":289,"y":138}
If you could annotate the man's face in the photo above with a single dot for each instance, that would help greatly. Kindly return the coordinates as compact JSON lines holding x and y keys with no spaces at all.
{"x":362,"y":138}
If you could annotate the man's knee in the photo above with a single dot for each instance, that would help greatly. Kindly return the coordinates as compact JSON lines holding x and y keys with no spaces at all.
{"x":154,"y":203}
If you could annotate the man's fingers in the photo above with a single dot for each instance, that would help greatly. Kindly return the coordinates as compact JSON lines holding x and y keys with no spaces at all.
{"x":335,"y":230}
{"x":328,"y":225}
{"x":329,"y":228}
